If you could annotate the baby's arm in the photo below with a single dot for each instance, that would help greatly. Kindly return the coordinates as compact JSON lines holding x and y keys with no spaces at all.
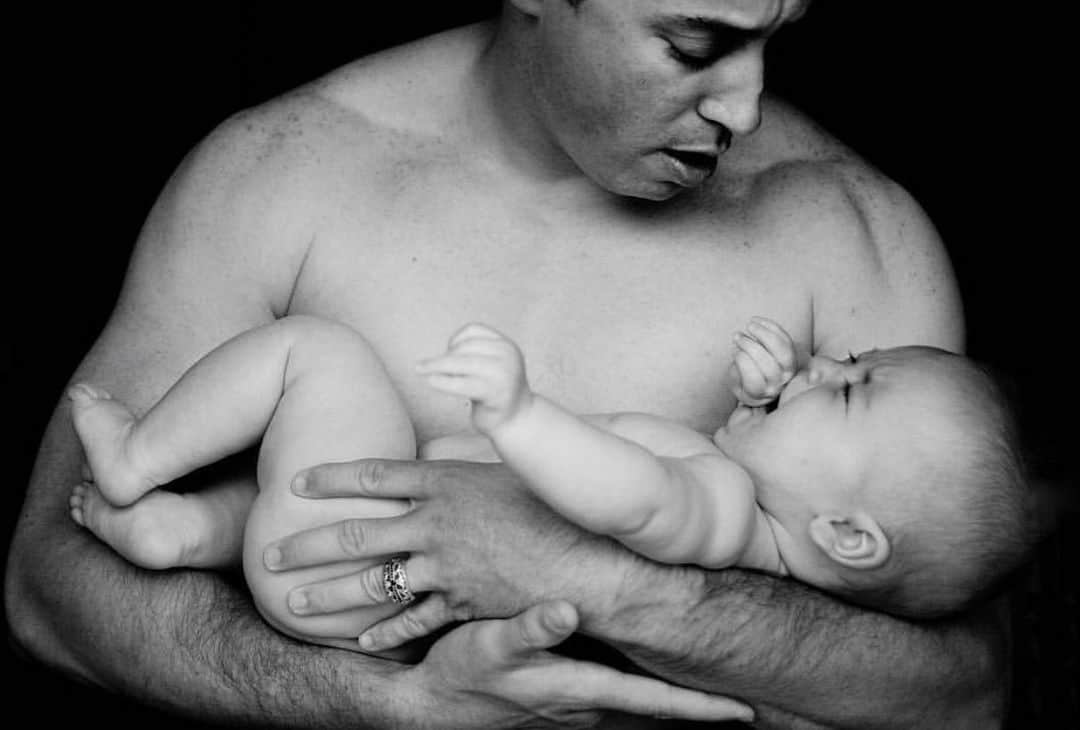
{"x":699,"y":508}
{"x":696,"y":508}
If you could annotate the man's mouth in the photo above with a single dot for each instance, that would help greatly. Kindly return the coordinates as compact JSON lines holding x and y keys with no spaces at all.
{"x":704,"y":161}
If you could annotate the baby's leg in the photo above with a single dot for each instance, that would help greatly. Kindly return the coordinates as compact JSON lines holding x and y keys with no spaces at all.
{"x":338,"y":404}
{"x":220,"y":406}
{"x":166,"y":530}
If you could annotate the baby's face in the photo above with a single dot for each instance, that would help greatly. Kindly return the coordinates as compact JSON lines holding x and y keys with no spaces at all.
{"x":837,"y":423}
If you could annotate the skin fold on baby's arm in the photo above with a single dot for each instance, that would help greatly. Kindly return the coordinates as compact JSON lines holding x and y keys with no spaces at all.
{"x":660,"y":488}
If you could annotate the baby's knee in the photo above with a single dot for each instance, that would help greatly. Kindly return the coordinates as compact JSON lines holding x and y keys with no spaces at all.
{"x":306,"y":332}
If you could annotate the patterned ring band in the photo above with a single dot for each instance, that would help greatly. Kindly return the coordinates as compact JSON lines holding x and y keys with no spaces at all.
{"x":395,"y":582}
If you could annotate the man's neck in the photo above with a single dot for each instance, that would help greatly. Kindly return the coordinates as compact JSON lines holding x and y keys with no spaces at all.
{"x":506,"y":114}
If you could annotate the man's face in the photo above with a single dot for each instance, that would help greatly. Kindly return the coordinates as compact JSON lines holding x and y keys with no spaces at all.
{"x":645,"y":95}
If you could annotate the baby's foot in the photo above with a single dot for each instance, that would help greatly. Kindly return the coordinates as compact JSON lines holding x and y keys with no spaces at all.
{"x":154,"y":532}
{"x":104,"y":426}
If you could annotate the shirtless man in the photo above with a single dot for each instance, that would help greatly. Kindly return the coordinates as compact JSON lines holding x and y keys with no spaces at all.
{"x":566,"y":175}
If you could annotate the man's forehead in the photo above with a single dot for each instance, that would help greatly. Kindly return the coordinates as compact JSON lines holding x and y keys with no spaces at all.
{"x":750,"y":14}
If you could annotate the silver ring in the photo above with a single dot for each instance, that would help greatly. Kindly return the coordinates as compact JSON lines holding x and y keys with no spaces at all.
{"x":396,"y":582}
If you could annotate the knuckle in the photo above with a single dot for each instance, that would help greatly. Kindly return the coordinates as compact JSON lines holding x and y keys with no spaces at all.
{"x":531,"y":633}
{"x":369,"y":475}
{"x":459,"y":611}
{"x":351,"y":538}
{"x":371,"y":585}
{"x":412,"y":625}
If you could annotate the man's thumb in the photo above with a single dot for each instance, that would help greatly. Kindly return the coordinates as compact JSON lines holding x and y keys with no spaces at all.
{"x":546,"y":625}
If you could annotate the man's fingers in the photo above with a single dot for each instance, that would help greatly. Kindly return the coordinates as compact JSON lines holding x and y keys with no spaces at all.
{"x":416,"y":621}
{"x":356,"y":590}
{"x":364,"y":478}
{"x":595,"y":686}
{"x":539,"y":627}
{"x":342,"y":541}
{"x":577,"y":685}
{"x":598,"y":686}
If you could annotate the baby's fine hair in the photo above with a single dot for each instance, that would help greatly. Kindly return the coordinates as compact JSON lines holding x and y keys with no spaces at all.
{"x":978,"y":519}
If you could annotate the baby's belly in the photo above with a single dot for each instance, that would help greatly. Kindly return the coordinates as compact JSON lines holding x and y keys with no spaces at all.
{"x":459,"y":447}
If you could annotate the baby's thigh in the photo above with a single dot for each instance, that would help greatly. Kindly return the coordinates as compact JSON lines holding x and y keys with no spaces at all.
{"x":338,"y":404}
{"x":278,"y":513}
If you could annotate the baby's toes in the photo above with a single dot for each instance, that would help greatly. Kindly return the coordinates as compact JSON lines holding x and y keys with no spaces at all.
{"x":75,"y":504}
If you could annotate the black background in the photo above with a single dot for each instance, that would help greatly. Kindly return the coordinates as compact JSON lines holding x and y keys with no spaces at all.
{"x":960,"y":109}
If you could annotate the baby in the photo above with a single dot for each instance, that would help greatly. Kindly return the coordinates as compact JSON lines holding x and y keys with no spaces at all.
{"x":890,"y":478}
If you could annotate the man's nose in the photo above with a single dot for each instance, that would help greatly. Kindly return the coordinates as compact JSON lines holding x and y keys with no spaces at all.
{"x":732,"y":96}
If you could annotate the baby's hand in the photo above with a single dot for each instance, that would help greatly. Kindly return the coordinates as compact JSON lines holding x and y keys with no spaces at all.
{"x":764,"y":362}
{"x":486,"y":367}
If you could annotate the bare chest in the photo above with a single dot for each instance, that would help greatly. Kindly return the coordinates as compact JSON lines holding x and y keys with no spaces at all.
{"x":610,"y":317}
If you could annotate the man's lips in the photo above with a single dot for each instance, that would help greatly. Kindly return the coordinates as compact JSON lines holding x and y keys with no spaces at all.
{"x":698,"y":159}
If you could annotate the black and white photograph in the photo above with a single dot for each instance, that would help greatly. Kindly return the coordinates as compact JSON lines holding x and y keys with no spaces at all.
{"x":542,"y":363}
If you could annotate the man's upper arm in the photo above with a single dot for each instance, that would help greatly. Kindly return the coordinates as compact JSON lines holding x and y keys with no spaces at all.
{"x":218,"y":254}
{"x":194,"y":280}
{"x":882,"y":274}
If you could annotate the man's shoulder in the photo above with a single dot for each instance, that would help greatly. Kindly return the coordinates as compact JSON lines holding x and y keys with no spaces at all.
{"x":366,"y":115}
{"x":864,"y":245}
{"x":802,"y":178}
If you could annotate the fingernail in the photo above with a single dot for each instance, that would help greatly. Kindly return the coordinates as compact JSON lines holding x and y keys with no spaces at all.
{"x":299,"y":483}
{"x":78,"y":392}
{"x":557,"y":620}
{"x":272,"y":558}
{"x":556,"y":624}
{"x":298,"y":602}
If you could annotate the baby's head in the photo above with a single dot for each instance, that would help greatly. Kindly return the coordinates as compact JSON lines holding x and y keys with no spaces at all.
{"x":895,"y":477}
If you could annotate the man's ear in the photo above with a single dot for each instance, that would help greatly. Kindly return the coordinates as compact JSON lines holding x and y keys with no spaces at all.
{"x":854,"y":540}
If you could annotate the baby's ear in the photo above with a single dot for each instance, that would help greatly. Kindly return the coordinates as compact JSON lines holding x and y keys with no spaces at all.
{"x":853,"y":540}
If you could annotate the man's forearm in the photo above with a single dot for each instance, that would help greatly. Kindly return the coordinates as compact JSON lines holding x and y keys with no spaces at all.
{"x":185,"y":641}
{"x":803,"y":658}
{"x":189,"y":642}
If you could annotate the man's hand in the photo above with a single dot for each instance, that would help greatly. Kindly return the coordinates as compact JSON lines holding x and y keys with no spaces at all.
{"x":487,"y":368}
{"x":479,"y":544}
{"x":505,"y":663}
{"x":765,"y":360}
